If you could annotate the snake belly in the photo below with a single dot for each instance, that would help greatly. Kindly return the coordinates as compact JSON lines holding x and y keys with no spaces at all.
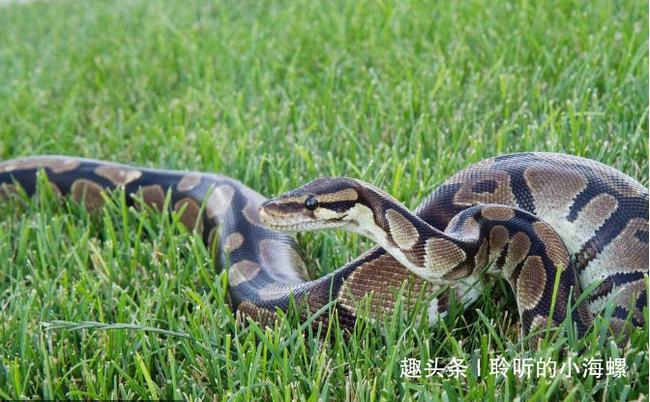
{"x":600,"y":214}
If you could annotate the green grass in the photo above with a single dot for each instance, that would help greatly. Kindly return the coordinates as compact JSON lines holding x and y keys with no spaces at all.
{"x":401,"y":94}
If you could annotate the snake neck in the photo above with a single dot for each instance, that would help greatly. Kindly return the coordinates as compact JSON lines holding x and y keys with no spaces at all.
{"x":405,"y":236}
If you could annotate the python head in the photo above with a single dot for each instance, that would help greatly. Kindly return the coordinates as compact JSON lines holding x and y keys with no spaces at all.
{"x":324,"y":203}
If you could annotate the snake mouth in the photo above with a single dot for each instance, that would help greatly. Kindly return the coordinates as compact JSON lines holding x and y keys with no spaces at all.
{"x":305,"y":226}
{"x":296,"y":221}
{"x":298,"y":225}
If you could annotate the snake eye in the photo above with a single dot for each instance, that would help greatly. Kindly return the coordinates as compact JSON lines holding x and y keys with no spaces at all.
{"x":311,"y":203}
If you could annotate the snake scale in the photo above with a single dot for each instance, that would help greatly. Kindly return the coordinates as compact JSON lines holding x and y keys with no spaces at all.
{"x":550,"y":224}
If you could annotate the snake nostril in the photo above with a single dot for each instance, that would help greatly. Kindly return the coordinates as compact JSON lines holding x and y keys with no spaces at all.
{"x":269,"y":210}
{"x":263,"y":210}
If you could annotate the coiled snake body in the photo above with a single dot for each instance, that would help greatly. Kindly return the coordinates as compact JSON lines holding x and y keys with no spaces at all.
{"x":547,"y":223}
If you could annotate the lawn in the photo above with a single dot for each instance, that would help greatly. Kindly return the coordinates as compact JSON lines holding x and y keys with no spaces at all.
{"x":398,"y":93}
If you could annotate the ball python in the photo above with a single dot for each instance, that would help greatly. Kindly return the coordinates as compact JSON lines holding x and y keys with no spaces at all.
{"x":550,"y":224}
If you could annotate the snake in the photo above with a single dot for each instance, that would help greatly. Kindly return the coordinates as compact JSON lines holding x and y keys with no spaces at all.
{"x":568,"y":234}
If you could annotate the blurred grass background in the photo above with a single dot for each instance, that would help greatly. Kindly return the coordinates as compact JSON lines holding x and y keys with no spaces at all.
{"x":399,"y":93}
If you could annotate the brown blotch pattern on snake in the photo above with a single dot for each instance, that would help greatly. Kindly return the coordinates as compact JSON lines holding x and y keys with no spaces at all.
{"x":191,"y":216}
{"x":119,"y":176}
{"x":542,"y":182}
{"x":531,"y":282}
{"x":220,"y":200}
{"x":56,"y":165}
{"x":233,"y":242}
{"x":466,"y":195}
{"x":496,"y":213}
{"x":401,"y":230}
{"x":442,"y":255}
{"x":88,"y":193}
{"x":251,"y":214}
{"x":499,"y":237}
{"x":518,"y":249}
{"x":188,"y":182}
{"x":553,"y":244}
{"x":242,"y":271}
{"x":153,"y":195}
